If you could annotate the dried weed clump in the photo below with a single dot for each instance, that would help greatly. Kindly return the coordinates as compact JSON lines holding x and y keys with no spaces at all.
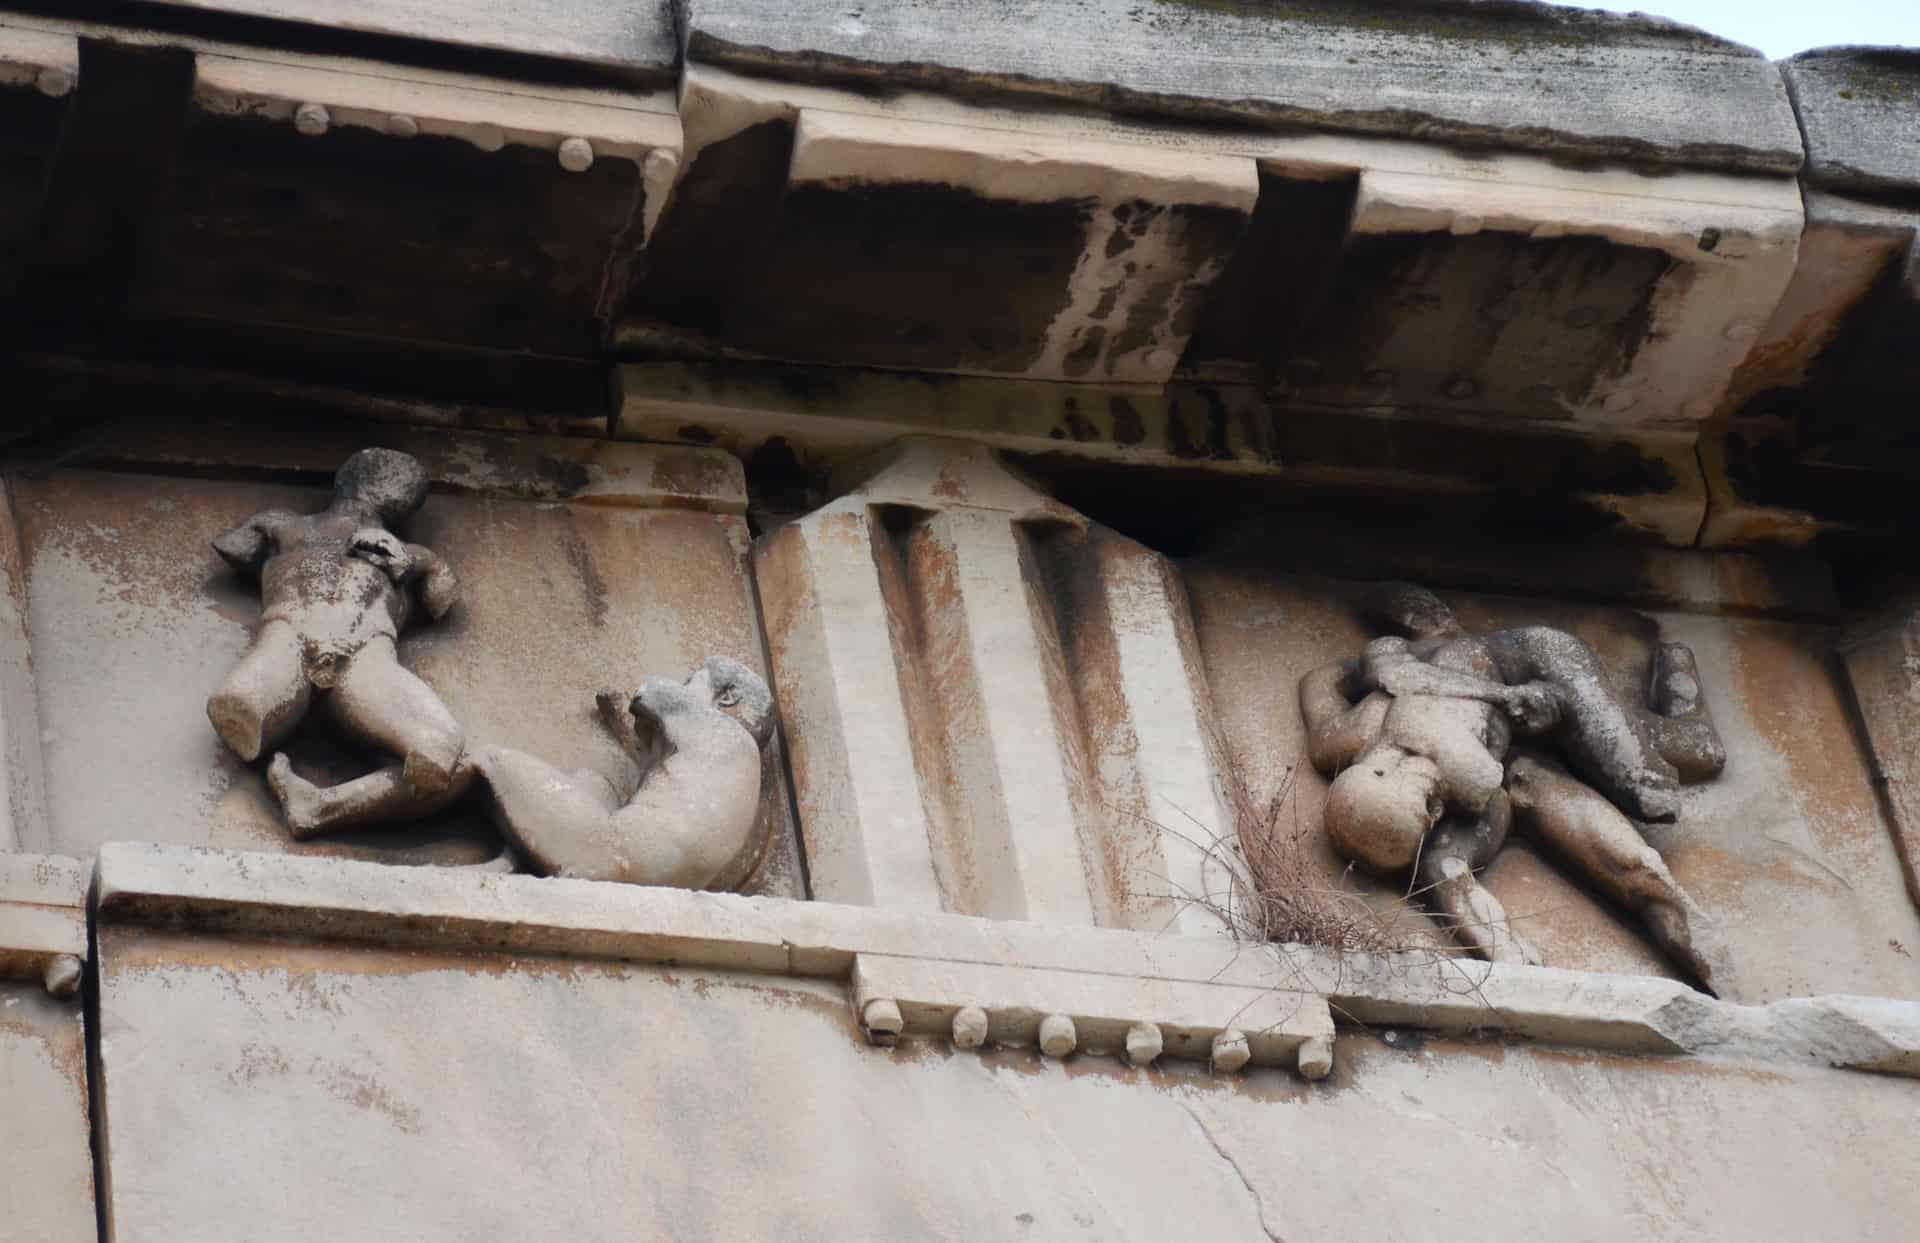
{"x":1278,"y":893}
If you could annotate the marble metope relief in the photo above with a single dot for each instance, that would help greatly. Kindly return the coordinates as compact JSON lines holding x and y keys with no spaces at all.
{"x":337,"y":589}
{"x":1437,"y":741}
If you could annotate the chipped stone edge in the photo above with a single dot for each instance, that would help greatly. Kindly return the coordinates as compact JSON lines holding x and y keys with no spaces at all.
{"x":43,"y":920}
{"x":212,"y":892}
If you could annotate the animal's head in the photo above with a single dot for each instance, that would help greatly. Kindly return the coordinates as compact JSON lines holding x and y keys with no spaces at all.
{"x":719,"y":685}
{"x":393,"y":483}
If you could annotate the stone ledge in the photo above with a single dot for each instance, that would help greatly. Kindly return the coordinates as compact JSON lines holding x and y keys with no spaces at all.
{"x":632,"y":37}
{"x":1857,"y":106}
{"x":573,"y":469}
{"x":1537,"y":77}
{"x":223,"y":892}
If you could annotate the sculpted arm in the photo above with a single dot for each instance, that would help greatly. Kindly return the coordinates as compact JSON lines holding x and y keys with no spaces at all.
{"x":1338,"y":729}
{"x":1391,"y":666}
{"x":439,"y":589}
{"x":247,"y":547}
{"x":1394,"y":666}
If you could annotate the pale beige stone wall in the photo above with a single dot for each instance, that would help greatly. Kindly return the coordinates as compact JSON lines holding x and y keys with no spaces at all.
{"x":274,"y":1091}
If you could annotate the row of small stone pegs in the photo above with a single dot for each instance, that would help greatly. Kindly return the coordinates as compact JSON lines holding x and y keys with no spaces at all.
{"x":313,"y":120}
{"x":1058,"y":1038}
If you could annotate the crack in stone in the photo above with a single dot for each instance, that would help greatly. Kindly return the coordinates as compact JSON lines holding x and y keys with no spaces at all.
{"x":1259,"y":1202}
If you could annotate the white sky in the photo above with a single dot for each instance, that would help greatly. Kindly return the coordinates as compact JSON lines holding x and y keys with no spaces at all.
{"x":1782,"y":27}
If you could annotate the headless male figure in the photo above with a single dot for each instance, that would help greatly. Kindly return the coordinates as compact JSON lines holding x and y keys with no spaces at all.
{"x":1433,"y":712}
{"x":337,"y":588}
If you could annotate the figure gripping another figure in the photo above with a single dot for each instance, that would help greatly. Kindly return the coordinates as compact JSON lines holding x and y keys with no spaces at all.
{"x":1418,"y":737}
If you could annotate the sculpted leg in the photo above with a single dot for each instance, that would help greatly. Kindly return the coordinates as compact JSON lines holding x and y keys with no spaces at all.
{"x":1446,"y":880}
{"x":1590,"y":832}
{"x":562,"y":823}
{"x":264,"y":696}
{"x":378,"y":797}
{"x":380,"y":702}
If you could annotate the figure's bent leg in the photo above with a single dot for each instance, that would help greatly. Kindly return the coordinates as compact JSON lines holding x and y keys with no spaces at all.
{"x":376,"y":798}
{"x":561,"y":822}
{"x":1581,"y":824}
{"x":1476,"y":918}
{"x":264,"y":696}
{"x":381,"y":702}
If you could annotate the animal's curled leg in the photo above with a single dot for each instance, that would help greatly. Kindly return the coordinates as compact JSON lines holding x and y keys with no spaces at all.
{"x":264,"y":696}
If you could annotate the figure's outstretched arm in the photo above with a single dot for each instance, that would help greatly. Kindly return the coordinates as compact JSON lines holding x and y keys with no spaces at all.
{"x":247,"y":547}
{"x":433,"y":577}
{"x":1389,"y":666}
{"x":1338,"y":729}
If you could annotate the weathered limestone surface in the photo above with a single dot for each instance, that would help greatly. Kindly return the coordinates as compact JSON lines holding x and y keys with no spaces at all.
{"x":417,"y":1123}
{"x":23,"y":795}
{"x":993,"y":707}
{"x":1856,"y":106}
{"x":829,"y":415}
{"x":46,"y":1176}
{"x":635,"y":37}
{"x":1604,"y":297}
{"x":621,"y":562}
{"x":1787,"y":851}
{"x":1356,"y":272}
{"x":46,"y":1180}
{"x":1564,"y":80}
{"x":1882,"y":663}
{"x":1647,"y":485}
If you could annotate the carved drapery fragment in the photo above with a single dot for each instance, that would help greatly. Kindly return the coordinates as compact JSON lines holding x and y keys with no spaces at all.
{"x":1416,"y":734}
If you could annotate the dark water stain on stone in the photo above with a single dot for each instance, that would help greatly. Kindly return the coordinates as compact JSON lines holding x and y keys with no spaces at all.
{"x":591,"y":584}
{"x":567,"y":477}
{"x":1128,"y":427}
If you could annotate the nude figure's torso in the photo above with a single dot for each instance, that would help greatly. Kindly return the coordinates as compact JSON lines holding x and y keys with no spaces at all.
{"x":337,"y":602}
{"x":1468,"y":739}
